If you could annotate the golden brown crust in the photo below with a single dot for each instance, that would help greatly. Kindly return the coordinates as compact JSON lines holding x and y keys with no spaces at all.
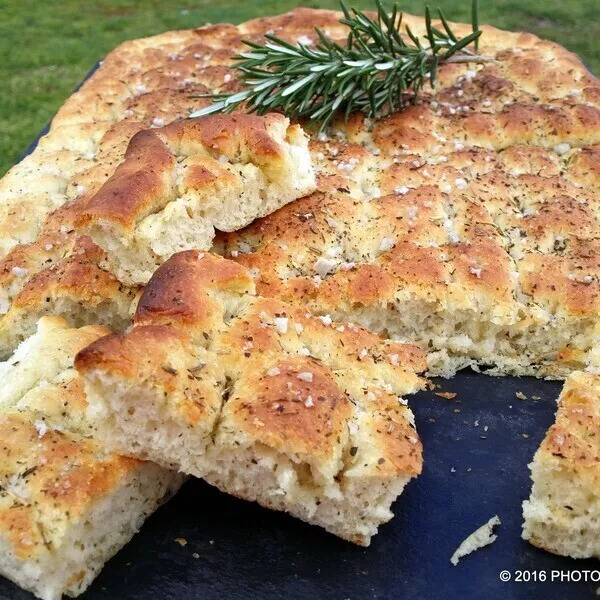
{"x":52,"y":469}
{"x":280,"y":362}
{"x":271,"y":408}
{"x":571,"y":442}
{"x":528,"y":120}
{"x":177,"y":293}
{"x":58,"y":471}
{"x":144,"y":182}
{"x":143,"y":178}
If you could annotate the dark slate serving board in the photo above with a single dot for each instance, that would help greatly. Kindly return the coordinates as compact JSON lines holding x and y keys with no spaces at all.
{"x":239,"y":551}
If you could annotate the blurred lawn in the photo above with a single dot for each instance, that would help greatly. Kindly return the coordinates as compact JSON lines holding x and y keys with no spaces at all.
{"x":47,"y":46}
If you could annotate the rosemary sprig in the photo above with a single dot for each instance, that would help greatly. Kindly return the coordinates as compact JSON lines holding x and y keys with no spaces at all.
{"x":376,"y":68}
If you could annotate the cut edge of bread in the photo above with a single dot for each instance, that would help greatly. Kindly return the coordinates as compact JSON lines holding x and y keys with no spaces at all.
{"x":132,"y":418}
{"x":107,"y":526}
{"x":562,"y":514}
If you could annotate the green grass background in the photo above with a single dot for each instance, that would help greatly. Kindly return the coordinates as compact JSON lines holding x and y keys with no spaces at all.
{"x":47,"y":46}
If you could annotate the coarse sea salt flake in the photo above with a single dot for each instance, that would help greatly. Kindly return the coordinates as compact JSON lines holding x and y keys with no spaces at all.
{"x":281,"y":324}
{"x":324,"y":266}
{"x":562,"y":148}
{"x":19,"y":271}
{"x":305,"y":376}
{"x":386,"y":244}
{"x":41,"y":428}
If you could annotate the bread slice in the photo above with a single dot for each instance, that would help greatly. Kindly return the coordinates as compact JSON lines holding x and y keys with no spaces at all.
{"x":259,"y":398}
{"x":180,"y":182}
{"x":66,"y":503}
{"x":562,"y":514}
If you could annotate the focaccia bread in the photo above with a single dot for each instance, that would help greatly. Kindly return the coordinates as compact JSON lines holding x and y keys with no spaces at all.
{"x":178,"y":183}
{"x":562,"y":514}
{"x":173,"y":187}
{"x":467,"y":223}
{"x":66,"y":503}
{"x":471,"y":254}
{"x":259,"y":398}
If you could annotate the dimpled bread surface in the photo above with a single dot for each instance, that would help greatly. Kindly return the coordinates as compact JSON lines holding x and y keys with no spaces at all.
{"x":258,"y":397}
{"x":467,"y":223}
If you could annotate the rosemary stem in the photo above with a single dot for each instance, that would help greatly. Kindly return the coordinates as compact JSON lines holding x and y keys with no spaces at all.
{"x":470,"y":58}
{"x":377,"y":69}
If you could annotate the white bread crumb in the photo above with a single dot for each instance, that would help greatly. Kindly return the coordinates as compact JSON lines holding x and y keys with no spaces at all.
{"x":478,"y":539}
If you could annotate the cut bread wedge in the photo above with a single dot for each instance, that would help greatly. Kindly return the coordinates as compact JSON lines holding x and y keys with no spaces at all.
{"x":66,"y":503}
{"x":562,"y":514}
{"x":259,"y":398}
{"x":180,"y":182}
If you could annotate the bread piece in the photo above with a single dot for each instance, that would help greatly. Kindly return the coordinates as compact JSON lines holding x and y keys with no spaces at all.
{"x":75,"y":288}
{"x":66,"y":503}
{"x":562,"y":514}
{"x":481,"y":537}
{"x":259,"y":398}
{"x":177,"y":184}
{"x":467,"y":223}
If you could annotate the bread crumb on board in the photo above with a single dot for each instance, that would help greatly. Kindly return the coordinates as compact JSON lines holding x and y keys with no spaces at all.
{"x":478,"y":539}
{"x":181,"y":541}
{"x":446,"y":395}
